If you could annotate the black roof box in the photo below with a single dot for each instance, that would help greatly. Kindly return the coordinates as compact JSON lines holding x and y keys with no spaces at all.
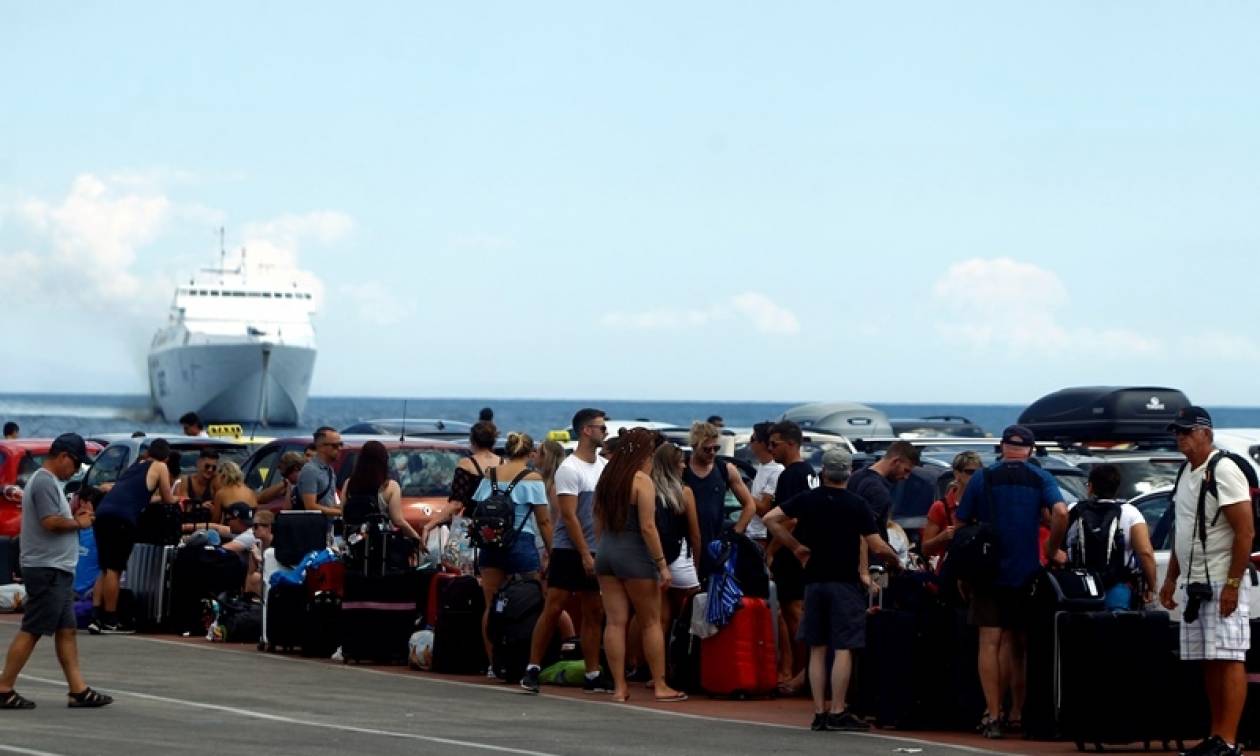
{"x":1104,"y":413}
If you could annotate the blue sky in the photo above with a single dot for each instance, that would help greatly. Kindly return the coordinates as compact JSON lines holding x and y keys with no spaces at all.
{"x":918,"y":202}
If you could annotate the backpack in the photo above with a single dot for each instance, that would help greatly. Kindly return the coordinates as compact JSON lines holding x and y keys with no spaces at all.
{"x":494,"y":520}
{"x":1100,"y":542}
{"x":1209,"y":486}
{"x":974,"y":554}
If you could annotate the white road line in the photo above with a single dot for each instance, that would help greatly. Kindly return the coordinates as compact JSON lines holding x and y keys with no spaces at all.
{"x":27,"y":751}
{"x":514,"y":691}
{"x":295,"y":721}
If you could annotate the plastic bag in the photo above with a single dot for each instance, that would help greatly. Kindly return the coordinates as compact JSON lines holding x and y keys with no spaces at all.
{"x":12,"y":597}
{"x":420,"y":650}
{"x":458,"y":553}
{"x":700,"y":625}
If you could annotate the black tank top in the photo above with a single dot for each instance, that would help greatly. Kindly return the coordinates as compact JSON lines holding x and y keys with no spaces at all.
{"x":710,"y":493}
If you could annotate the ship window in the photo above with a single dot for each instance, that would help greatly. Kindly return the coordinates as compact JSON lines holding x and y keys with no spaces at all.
{"x":236,"y":293}
{"x":214,"y":293}
{"x":267,"y":294}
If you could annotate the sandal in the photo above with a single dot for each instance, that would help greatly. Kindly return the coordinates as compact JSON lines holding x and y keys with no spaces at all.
{"x":88,"y":699}
{"x":15,"y":700}
{"x":985,"y":721}
{"x":786,"y":690}
{"x":672,"y":699}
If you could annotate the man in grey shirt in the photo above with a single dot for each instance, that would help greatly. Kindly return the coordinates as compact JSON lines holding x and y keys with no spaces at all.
{"x":50,"y":551}
{"x":317,"y":483}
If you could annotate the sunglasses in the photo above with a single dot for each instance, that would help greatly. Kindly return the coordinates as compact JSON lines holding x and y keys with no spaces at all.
{"x":210,"y":468}
{"x":711,"y":449}
{"x":600,"y":428}
{"x":970,"y":471}
{"x":1183,"y":431}
{"x":335,"y":445}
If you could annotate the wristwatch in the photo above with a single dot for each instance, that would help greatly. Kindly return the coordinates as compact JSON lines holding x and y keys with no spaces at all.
{"x":1233,"y":583}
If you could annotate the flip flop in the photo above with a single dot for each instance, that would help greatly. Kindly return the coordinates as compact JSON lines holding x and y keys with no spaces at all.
{"x":615,"y":699}
{"x":672,"y":699}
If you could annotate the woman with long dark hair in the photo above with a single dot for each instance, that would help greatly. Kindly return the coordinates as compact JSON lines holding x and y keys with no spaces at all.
{"x":370,"y":480}
{"x":467,"y":477}
{"x":630,"y":562}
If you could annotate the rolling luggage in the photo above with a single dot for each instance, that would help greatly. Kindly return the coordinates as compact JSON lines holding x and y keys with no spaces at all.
{"x":378,"y":617}
{"x":377,"y":549}
{"x":199,"y":574}
{"x":328,"y":577}
{"x":297,"y":534}
{"x":284,"y":611}
{"x":321,"y":626}
{"x":510,"y":627}
{"x":10,"y":560}
{"x":148,"y":577}
{"x":741,"y":660}
{"x":457,"y":643}
{"x":160,"y":524}
{"x":433,"y":598}
{"x":682,"y":652}
{"x":1110,"y":685}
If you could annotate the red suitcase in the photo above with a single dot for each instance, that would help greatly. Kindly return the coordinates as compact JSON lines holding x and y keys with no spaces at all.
{"x":741,"y":659}
{"x":329,"y":577}
{"x":440,"y":581}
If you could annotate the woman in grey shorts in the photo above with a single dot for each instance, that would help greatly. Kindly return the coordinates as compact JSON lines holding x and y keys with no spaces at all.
{"x":629,"y":562}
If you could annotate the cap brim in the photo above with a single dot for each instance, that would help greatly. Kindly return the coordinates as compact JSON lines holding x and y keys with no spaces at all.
{"x":1183,"y":426}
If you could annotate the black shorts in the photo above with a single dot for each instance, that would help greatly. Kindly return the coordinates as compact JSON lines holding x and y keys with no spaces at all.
{"x":789,"y":575}
{"x":565,"y":572}
{"x":49,"y":600}
{"x":115,"y":538}
{"x":999,"y":606}
{"x":835,"y":616}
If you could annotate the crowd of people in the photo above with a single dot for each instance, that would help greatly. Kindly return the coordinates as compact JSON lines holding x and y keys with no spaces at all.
{"x":623,"y":528}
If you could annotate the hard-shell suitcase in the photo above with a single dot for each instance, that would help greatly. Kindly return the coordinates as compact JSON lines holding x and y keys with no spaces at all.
{"x":148,"y":577}
{"x":433,"y":597}
{"x":510,"y":627}
{"x":378,"y":616}
{"x":740,"y":660}
{"x":321,"y":627}
{"x":328,"y":577}
{"x":1109,"y":686}
{"x":298,"y":533}
{"x":457,"y":641}
{"x":284,"y":612}
{"x":200,"y":573}
{"x":683,"y":652}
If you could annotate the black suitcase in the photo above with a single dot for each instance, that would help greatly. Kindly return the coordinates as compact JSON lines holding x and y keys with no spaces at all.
{"x":160,"y":524}
{"x":378,"y":616}
{"x":510,"y":627}
{"x":887,"y":673}
{"x":1111,"y":684}
{"x":297,"y":534}
{"x":682,"y":653}
{"x":10,"y":560}
{"x":376,"y":549}
{"x":458,"y":647}
{"x":201,"y":573}
{"x":284,"y":611}
{"x":321,"y":629}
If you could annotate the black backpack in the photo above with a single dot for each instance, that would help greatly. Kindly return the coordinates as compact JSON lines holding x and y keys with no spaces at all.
{"x":974,"y":553}
{"x":1209,"y":486}
{"x":1099,"y":543}
{"x":494,"y":520}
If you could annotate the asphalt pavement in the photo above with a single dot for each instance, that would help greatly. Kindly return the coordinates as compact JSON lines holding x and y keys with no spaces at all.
{"x":176,"y":695}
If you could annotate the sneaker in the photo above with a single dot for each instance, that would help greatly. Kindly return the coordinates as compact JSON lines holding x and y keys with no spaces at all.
{"x":847,"y":721}
{"x":819,"y":724}
{"x":530,"y":681}
{"x":993,"y":730}
{"x":601,"y":684}
{"x":116,"y":630}
{"x":1213,"y":746}
{"x":95,"y":627}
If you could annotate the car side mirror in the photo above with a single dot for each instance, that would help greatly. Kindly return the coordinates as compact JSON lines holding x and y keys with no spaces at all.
{"x":73,"y":486}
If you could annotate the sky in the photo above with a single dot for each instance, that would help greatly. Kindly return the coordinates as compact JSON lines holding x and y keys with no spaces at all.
{"x":909,"y":202}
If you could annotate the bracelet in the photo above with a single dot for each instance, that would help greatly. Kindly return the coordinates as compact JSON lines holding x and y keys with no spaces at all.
{"x":660,"y":559}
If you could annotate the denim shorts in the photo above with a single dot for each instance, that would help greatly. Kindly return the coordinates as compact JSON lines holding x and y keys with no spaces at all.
{"x":519,"y":558}
{"x":835,"y":616}
{"x":49,"y":600}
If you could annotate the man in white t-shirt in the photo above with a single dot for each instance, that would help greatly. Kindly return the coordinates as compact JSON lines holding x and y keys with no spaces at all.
{"x":571,"y":563}
{"x":1103,"y":485}
{"x":1212,"y":551}
{"x":763,"y":484}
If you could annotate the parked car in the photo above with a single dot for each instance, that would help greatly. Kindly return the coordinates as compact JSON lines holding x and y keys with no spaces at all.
{"x":423,"y":468}
{"x":936,"y":426}
{"x":847,"y":419}
{"x":123,"y":450}
{"x":453,"y":430}
{"x":19,"y":459}
{"x":1141,"y":472}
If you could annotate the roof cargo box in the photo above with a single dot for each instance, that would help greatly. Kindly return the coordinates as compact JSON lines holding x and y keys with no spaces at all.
{"x":847,"y":419}
{"x":1104,"y":413}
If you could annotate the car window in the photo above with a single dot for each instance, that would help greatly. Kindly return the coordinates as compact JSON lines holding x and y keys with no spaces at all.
{"x":1153,"y":508}
{"x":424,"y":472}
{"x":1162,"y":533}
{"x":108,"y":465}
{"x":1141,"y":476}
{"x":261,"y":466}
{"x":28,"y":465}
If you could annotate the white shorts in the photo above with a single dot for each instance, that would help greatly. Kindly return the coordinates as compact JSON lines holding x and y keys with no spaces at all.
{"x":682,"y":572}
{"x":1215,"y":638}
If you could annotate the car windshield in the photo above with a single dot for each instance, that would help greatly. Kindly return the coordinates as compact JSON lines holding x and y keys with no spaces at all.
{"x":1071,"y":485}
{"x":1141,"y":476}
{"x":424,"y":472}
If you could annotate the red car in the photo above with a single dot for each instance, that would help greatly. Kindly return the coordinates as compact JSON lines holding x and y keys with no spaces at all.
{"x":18,"y":460}
{"x":422,"y":467}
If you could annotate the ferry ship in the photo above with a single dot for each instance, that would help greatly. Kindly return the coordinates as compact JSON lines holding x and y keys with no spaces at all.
{"x":239,"y":346}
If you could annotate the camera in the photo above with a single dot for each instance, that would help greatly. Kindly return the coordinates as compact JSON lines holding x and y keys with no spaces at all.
{"x":1196,"y":594}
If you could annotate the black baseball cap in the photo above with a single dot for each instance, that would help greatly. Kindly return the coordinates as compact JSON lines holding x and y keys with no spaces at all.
{"x":72,"y":444}
{"x":240,"y":511}
{"x":1189,"y":418}
{"x":1018,"y":435}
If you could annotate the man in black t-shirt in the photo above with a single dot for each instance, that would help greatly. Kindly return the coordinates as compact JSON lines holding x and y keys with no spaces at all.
{"x":831,"y":526}
{"x":875,"y":483}
{"x":798,"y":476}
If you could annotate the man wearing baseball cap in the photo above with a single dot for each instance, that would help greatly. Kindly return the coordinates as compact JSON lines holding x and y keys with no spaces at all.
{"x":1214,"y":533}
{"x":50,"y":551}
{"x":833,"y":526}
{"x":1016,"y":498}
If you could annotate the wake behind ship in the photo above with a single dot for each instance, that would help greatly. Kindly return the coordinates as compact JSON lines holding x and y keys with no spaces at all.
{"x":239,"y":347}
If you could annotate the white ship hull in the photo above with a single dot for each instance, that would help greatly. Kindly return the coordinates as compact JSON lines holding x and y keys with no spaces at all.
{"x":232,"y":382}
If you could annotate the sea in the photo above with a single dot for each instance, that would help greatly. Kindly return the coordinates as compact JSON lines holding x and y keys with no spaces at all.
{"x":50,"y":414}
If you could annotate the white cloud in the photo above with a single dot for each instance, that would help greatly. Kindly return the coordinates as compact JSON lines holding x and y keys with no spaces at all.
{"x":755,"y":309}
{"x":1006,"y":305}
{"x":375,"y":304}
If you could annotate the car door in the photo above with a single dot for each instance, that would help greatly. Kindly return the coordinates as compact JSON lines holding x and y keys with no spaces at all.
{"x":108,"y":466}
{"x":260,"y":468}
